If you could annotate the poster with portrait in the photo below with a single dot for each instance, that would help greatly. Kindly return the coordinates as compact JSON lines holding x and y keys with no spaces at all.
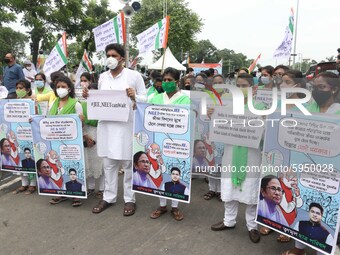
{"x":59,"y":153}
{"x":299,"y":191}
{"x":162,"y":151}
{"x":16,"y":135}
{"x":207,"y":154}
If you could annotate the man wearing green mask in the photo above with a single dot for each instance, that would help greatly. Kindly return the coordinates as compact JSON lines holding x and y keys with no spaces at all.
{"x":172,"y":95}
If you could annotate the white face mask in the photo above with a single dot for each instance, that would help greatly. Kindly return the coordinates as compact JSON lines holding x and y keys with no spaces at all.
{"x":111,"y":63}
{"x":28,"y":68}
{"x":62,"y":92}
{"x":289,"y":94}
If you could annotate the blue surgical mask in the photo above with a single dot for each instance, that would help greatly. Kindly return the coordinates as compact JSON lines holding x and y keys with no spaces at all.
{"x":265,"y":80}
{"x":39,"y":84}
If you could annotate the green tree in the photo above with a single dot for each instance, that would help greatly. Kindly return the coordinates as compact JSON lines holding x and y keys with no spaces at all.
{"x":184,"y":23}
{"x":204,"y":49}
{"x":5,"y":15}
{"x":42,"y":17}
{"x":11,"y":41}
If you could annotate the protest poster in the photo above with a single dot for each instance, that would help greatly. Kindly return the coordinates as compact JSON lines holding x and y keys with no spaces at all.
{"x":207,"y":154}
{"x":265,"y":97}
{"x":299,"y":191}
{"x":242,"y":130}
{"x":112,"y":31}
{"x":16,"y":135}
{"x":162,"y":151}
{"x":59,"y":153}
{"x":111,"y":105}
{"x":43,"y":107}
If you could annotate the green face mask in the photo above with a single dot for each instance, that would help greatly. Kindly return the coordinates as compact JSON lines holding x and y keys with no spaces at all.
{"x":169,"y":86}
{"x":20,"y":93}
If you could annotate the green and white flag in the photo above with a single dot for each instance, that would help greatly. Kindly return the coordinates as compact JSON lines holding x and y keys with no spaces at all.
{"x":112,"y":31}
{"x":84,"y":66}
{"x":154,"y":37}
{"x":285,"y":48}
{"x":57,"y":58}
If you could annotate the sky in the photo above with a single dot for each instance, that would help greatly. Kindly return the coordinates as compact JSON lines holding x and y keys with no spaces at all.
{"x":252,"y":27}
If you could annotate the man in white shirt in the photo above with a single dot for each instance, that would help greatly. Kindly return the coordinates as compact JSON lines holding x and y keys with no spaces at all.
{"x":114,"y":137}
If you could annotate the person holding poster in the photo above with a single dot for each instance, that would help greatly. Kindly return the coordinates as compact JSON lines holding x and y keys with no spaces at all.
{"x":115,"y":137}
{"x":28,"y":181}
{"x":94,"y":171}
{"x":172,"y":95}
{"x":65,"y":103}
{"x":240,"y":186}
{"x":326,"y":87}
{"x":41,"y":91}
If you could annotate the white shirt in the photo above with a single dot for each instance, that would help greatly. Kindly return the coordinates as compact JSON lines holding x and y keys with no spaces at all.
{"x":29,"y":74}
{"x":115,"y":138}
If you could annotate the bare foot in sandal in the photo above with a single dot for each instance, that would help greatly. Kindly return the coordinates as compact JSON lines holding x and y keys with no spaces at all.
{"x":158,"y":212}
{"x":177,"y":214}
{"x":209,"y":195}
{"x":30,"y":190}
{"x":129,"y":209}
{"x":265,"y":231}
{"x":20,"y":189}
{"x":283,"y":239}
{"x":102,"y":205}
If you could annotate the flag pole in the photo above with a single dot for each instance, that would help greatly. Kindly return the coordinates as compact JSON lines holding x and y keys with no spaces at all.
{"x":296,"y":28}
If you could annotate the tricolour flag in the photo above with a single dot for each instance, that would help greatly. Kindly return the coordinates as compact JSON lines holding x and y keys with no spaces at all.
{"x":221,"y":62}
{"x":112,"y":31}
{"x":253,"y":65}
{"x":84,"y":66}
{"x":57,"y":58}
{"x":285,"y":48}
{"x":155,"y":37}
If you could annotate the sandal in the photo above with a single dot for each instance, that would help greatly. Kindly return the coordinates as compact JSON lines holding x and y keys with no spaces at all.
{"x":159,"y":211}
{"x":129,"y":209}
{"x":90,"y":192}
{"x":76,"y":202}
{"x":57,"y":200}
{"x":99,"y":194}
{"x":209,"y":195}
{"x":295,"y":251}
{"x":20,"y":189}
{"x":283,"y":239}
{"x":265,"y":231}
{"x":30,"y":190}
{"x":177,"y":214}
{"x":102,"y":205}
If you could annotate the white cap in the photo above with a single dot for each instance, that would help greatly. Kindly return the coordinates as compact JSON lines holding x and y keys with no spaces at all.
{"x":27,"y":62}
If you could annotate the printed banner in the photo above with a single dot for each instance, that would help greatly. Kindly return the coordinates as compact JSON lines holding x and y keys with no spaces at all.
{"x":242,"y":130}
{"x":265,"y":97}
{"x":16,"y":136}
{"x":299,"y":193}
{"x":155,"y":37}
{"x":59,"y":154}
{"x":57,"y":58}
{"x":207,"y":154}
{"x":112,"y":31}
{"x":111,"y":105}
{"x":162,"y":152}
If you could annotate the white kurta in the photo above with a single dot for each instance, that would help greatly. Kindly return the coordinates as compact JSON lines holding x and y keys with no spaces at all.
{"x":248,"y":192}
{"x":115,"y":138}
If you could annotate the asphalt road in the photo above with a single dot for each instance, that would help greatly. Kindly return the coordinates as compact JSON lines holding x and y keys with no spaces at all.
{"x":30,"y":225}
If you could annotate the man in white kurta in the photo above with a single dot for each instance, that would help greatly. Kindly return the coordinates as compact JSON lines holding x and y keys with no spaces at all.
{"x":115,"y":138}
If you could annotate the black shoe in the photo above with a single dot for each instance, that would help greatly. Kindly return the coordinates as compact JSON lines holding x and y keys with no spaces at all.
{"x":254,"y":236}
{"x":220,"y":226}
